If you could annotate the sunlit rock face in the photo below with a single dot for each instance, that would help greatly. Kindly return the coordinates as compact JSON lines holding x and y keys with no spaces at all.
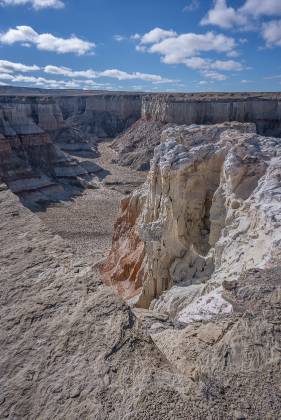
{"x":136,"y":146}
{"x":263,"y":109}
{"x":210,"y":209}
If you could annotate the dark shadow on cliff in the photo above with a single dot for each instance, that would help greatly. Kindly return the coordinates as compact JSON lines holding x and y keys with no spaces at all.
{"x":64,"y":189}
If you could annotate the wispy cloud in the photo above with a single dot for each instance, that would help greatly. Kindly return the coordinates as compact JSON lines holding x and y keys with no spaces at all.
{"x":9,"y":71}
{"x":119,"y":38}
{"x":11,"y":67}
{"x":109,"y":73}
{"x":26,"y":35}
{"x":36,"y":4}
{"x":191,"y":6}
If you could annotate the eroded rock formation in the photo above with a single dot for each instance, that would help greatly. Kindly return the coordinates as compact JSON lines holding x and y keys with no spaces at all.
{"x":212,"y":108}
{"x":70,"y":348}
{"x":136,"y":146}
{"x":41,"y":133}
{"x":210,"y":210}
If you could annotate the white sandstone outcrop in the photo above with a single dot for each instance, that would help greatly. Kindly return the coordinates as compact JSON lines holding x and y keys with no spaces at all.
{"x":210,"y":210}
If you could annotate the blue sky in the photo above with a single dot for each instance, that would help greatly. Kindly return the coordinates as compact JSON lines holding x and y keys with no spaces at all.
{"x":151,"y":45}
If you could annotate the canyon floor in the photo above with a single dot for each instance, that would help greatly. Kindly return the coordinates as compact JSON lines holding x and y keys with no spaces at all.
{"x":86,"y":222}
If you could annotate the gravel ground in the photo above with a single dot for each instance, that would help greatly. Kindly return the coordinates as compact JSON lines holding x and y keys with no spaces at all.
{"x":86,"y":221}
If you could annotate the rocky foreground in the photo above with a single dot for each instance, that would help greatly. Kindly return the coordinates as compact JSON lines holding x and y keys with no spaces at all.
{"x":72,"y":349}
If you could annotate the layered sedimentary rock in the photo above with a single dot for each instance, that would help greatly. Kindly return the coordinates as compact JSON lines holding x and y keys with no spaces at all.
{"x":31,"y":164}
{"x":102,"y":115}
{"x":136,"y":146}
{"x":262,"y":109}
{"x":38,"y":134}
{"x":74,"y":121}
{"x":210,"y":210}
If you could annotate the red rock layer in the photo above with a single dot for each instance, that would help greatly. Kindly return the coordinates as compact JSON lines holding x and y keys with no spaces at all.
{"x":125,"y":268}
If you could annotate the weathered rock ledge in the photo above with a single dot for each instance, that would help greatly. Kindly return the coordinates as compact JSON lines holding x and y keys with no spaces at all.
{"x":70,"y":348}
{"x":210,"y":210}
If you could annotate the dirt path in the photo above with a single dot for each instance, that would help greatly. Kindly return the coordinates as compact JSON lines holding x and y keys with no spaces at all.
{"x":86,"y":221}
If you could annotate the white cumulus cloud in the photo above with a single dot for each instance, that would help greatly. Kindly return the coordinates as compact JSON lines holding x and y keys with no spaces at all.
{"x":46,"y":41}
{"x":175,"y":49}
{"x":187,"y":49}
{"x":223,"y":16}
{"x":261,"y":7}
{"x":156,"y":35}
{"x":245,"y":17}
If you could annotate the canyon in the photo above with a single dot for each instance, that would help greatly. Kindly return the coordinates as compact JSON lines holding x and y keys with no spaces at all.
{"x":140,"y":255}
{"x":41,"y":137}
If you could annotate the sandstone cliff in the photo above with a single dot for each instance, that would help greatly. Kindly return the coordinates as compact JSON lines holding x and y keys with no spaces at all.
{"x":40,"y":133}
{"x":136,"y":146}
{"x":262,"y":109}
{"x":210,"y":210}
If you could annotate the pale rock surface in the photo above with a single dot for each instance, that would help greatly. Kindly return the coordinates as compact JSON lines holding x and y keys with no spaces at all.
{"x":70,"y":348}
{"x":210,"y":210}
{"x":242,"y":348}
{"x":263,"y":109}
{"x":160,"y":111}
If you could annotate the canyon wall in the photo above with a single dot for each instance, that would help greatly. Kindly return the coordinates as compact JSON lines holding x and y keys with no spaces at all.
{"x":63,"y":125}
{"x":209,"y":210}
{"x":136,"y":146}
{"x":262,"y":109}
{"x":40,"y":136}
